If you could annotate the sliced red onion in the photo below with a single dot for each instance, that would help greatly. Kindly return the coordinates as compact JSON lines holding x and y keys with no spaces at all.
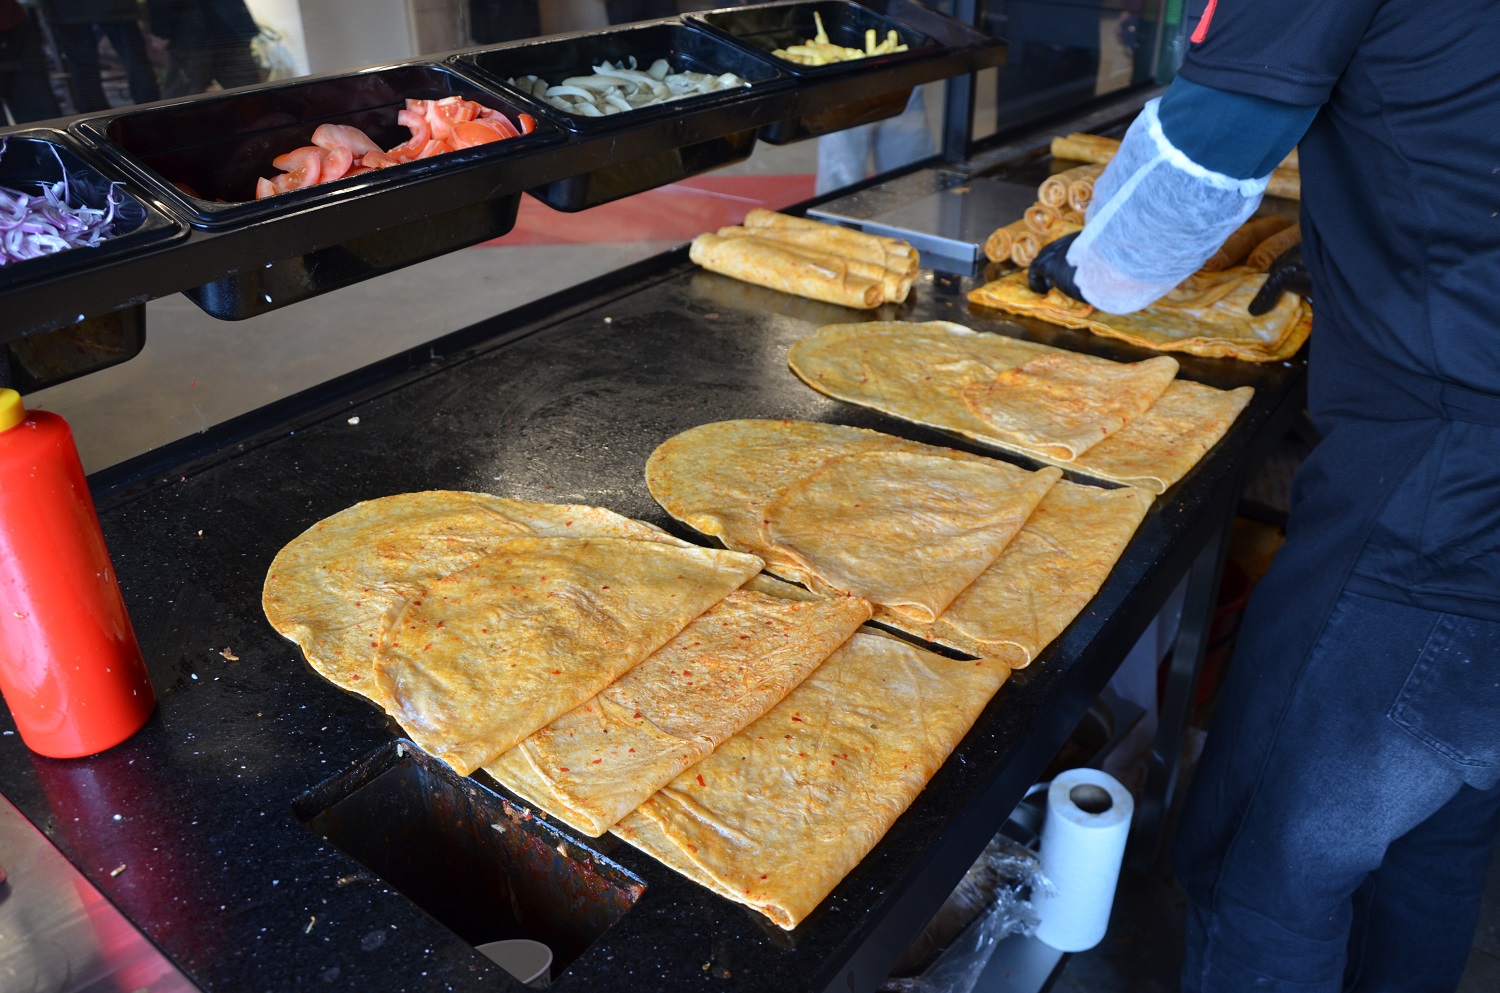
{"x":32,"y":226}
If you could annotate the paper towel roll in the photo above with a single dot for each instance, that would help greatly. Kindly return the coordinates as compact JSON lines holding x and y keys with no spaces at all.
{"x":1083,"y":843}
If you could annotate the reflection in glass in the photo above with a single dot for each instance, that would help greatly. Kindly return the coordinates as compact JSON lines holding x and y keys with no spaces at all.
{"x":1064,"y":53}
{"x":207,"y":42}
{"x":25,"y":86}
{"x":78,"y":27}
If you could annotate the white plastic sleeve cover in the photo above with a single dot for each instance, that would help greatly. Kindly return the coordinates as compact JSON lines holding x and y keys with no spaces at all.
{"x":1155,"y":218}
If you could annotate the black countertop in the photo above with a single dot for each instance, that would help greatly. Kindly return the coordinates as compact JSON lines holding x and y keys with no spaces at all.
{"x":562,"y":402}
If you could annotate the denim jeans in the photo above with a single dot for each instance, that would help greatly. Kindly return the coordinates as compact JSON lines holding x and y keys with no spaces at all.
{"x":1345,"y":810}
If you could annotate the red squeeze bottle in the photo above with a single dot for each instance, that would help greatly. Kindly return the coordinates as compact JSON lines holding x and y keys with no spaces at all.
{"x":70,"y":669}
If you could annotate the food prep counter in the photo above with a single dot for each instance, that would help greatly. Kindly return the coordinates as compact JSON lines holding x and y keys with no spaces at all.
{"x":188,"y":167}
{"x":267,"y":831}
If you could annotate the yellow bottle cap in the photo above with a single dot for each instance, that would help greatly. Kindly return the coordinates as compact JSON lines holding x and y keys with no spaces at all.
{"x":12,"y":411}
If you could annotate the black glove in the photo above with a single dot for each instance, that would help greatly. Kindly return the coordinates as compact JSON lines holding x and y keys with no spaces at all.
{"x":1051,"y":268}
{"x":1288,"y":275}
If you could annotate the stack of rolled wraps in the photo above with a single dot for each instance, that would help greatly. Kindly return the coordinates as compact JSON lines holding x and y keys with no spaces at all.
{"x":1256,"y":244}
{"x":1286,"y":179}
{"x":820,"y":261}
{"x":970,"y":552}
{"x":1206,"y":314}
{"x":1061,"y":203}
{"x":742,"y":730}
{"x":1126,"y":422}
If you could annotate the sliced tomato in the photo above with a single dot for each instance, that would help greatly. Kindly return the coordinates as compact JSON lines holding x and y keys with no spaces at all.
{"x":378,"y":160}
{"x":331,"y":136}
{"x":527,"y":122}
{"x":304,"y":165}
{"x":470,"y":133}
{"x":336,"y":162}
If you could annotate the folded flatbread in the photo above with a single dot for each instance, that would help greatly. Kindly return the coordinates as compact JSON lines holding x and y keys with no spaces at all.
{"x":598,"y":762}
{"x":1064,"y":403}
{"x":948,"y":376}
{"x":839,"y":509}
{"x":491,"y":653}
{"x":784,"y":810}
{"x":1045,"y":576}
{"x":899,"y":528}
{"x":335,"y":588}
{"x":1205,"y":315}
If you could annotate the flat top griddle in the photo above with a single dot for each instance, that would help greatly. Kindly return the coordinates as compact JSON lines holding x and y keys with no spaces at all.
{"x":562,"y":402}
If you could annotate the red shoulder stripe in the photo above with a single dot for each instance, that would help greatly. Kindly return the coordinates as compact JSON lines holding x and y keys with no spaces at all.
{"x":1201,"y":31}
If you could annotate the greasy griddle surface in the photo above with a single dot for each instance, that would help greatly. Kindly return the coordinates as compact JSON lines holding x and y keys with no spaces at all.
{"x":243,"y":897}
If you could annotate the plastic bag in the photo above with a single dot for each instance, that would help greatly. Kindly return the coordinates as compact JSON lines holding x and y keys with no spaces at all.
{"x":1015,"y":874}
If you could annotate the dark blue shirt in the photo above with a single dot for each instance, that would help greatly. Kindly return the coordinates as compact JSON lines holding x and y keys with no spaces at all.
{"x":1401,"y":227}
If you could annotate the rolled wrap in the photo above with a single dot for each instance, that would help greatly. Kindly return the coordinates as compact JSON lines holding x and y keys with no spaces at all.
{"x":759,"y":217}
{"x":818,"y":240}
{"x":1027,"y":245}
{"x":1054,"y":189}
{"x":997,"y":247}
{"x":1270,"y":249}
{"x":765,"y":263}
{"x":1041,"y":218}
{"x":1240,"y":244}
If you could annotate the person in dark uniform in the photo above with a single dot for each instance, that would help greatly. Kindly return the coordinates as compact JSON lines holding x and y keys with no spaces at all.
{"x":625,"y":11}
{"x":76,"y":26}
{"x":494,"y":21}
{"x":209,"y":42}
{"x":1345,"y":810}
{"x":25,"y":90}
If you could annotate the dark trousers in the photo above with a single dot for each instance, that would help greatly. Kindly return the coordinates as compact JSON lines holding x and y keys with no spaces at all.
{"x":25,"y":89}
{"x":1345,"y":812}
{"x":80,"y":51}
{"x":202,"y":53}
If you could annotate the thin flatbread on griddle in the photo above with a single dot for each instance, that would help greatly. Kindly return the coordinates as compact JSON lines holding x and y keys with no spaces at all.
{"x":731,"y":664}
{"x":1159,"y":447}
{"x":491,"y":653}
{"x":1046,"y":575}
{"x":335,"y":587}
{"x":759,"y":486}
{"x":784,"y":810}
{"x":925,"y":373}
{"x":719,"y":477}
{"x":902,"y":529}
{"x":1064,"y":403}
{"x":1206,"y":315}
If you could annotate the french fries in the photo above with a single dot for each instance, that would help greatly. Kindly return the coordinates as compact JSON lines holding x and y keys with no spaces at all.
{"x":820,"y":51}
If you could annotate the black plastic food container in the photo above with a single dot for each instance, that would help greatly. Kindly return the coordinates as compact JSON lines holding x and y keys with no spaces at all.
{"x":339,"y":233}
{"x":205,"y":154}
{"x":650,"y":146}
{"x":36,"y":158}
{"x":767,"y":27}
